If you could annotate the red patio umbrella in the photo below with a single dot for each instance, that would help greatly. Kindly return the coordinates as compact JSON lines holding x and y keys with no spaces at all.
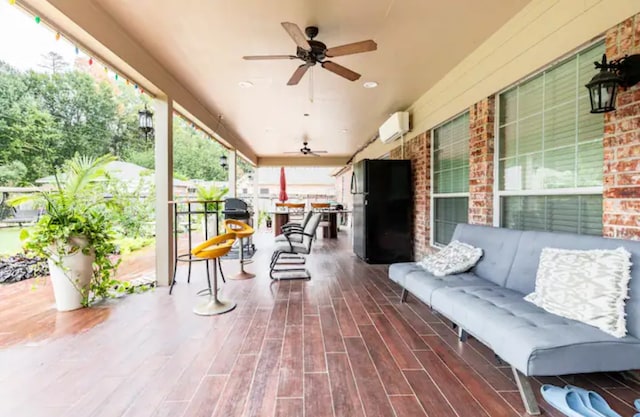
{"x":283,"y":186}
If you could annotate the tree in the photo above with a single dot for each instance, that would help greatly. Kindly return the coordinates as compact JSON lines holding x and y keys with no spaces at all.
{"x":54,"y":63}
{"x":12,"y":174}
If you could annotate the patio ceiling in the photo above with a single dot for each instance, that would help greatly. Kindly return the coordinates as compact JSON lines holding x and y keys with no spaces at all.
{"x":202,"y":43}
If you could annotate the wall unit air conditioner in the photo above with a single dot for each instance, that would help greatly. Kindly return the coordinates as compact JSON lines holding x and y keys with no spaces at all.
{"x":396,"y":126}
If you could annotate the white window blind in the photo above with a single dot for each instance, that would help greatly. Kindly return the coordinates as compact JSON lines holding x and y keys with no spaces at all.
{"x":450,"y":204}
{"x":550,"y":150}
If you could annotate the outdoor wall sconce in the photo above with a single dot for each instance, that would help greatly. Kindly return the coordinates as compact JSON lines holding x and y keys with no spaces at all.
{"x":145,"y":122}
{"x":603,"y":87}
{"x":223,"y":162}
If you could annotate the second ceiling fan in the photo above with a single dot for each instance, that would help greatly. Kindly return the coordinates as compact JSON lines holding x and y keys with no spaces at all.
{"x":314,"y":52}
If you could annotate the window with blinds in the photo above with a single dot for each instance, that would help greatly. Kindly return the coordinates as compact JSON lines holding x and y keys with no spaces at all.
{"x":550,"y":150}
{"x":450,"y":177}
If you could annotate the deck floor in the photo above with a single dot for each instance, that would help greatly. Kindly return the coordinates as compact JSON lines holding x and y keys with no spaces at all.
{"x":340,"y":344}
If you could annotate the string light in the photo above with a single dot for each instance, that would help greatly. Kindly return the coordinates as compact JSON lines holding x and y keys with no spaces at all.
{"x":12,"y":2}
{"x":90,"y":61}
{"x":57,"y":36}
{"x":77,"y":51}
{"x":135,"y":86}
{"x":38,"y":19}
{"x":116,"y":77}
{"x":106,"y":70}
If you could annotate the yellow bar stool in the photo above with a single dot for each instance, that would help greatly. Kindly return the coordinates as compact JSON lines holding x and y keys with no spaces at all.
{"x":213,"y":249}
{"x":242,"y":231}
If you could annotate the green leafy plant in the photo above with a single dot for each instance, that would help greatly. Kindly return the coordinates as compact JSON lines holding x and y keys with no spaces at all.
{"x":76,"y":211}
{"x":263,"y":217}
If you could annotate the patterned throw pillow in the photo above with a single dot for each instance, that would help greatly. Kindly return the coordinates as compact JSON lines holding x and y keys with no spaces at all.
{"x":454,"y":258}
{"x":590,"y":286}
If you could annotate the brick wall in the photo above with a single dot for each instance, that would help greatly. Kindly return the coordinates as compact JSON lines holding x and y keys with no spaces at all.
{"x":621,"y":211}
{"x":417,"y":150}
{"x":481,"y":145}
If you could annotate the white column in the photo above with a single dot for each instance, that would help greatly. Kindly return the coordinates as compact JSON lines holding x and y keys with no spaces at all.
{"x":256,"y":198}
{"x":164,"y":189}
{"x":231,"y":162}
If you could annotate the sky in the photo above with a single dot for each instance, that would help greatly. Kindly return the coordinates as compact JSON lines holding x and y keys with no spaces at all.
{"x":23,"y":41}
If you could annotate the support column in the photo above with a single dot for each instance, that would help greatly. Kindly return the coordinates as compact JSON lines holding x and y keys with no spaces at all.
{"x":232,"y":162}
{"x":621,"y":176}
{"x":256,"y":199}
{"x":481,"y":147}
{"x":163,"y":108}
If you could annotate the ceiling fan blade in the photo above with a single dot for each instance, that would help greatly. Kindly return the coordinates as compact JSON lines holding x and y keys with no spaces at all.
{"x":261,"y":57}
{"x":313,"y":154}
{"x":320,"y":152}
{"x":292,"y":152}
{"x":297,"y":75}
{"x":296,"y":34}
{"x":352,"y":48}
{"x":340,"y":70}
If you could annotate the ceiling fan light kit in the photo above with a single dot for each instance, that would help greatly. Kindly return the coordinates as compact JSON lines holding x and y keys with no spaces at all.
{"x":305,"y":150}
{"x":313,"y":52}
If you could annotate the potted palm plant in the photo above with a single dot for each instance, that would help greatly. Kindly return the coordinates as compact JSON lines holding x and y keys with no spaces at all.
{"x":75,"y":233}
{"x":211,"y":194}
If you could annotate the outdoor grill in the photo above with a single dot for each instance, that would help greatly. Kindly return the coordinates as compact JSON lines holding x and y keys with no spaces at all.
{"x":237,"y":209}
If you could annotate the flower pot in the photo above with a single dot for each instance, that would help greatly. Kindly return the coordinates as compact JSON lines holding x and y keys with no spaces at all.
{"x":71,"y":276}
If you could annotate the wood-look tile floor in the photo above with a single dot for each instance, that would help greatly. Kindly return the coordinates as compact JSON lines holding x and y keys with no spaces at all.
{"x":338,"y":345}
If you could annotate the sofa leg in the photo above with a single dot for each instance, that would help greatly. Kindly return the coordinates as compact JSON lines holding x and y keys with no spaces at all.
{"x":404,"y":295}
{"x":462,"y":334}
{"x":632,"y":376}
{"x":526,"y":393}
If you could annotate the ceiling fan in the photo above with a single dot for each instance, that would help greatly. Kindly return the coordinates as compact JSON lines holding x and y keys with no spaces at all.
{"x":314,"y":52}
{"x":305,"y":150}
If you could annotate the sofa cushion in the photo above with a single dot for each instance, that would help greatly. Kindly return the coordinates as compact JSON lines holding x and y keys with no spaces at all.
{"x":534,"y":341}
{"x":499,"y":247}
{"x":455,"y":258}
{"x":525,"y":265}
{"x":422,"y":284}
{"x":398,"y":272}
{"x":590,"y":286}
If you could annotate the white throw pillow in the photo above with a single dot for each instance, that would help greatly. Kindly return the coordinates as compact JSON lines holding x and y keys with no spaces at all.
{"x":454,"y":258}
{"x":590,"y":286}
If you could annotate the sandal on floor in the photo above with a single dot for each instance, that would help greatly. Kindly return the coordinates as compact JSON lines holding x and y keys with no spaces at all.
{"x":567,"y":402}
{"x":594,"y":401}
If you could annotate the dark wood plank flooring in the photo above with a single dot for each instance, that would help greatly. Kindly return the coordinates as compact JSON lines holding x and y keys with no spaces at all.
{"x":337,"y":345}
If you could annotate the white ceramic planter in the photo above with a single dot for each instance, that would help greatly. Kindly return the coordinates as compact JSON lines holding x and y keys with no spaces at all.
{"x":71,"y":278}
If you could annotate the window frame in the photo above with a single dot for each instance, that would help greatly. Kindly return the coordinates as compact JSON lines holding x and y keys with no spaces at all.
{"x":434,"y":196}
{"x":498,"y":193}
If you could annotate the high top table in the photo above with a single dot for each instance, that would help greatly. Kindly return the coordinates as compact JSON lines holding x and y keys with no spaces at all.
{"x":281,"y":217}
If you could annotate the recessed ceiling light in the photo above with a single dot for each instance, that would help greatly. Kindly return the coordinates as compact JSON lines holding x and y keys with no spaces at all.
{"x":370,"y":84}
{"x":306,"y":115}
{"x":245,"y":84}
{"x":345,"y":130}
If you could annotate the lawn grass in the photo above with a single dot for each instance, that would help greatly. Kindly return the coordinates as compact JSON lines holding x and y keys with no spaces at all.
{"x":10,"y":243}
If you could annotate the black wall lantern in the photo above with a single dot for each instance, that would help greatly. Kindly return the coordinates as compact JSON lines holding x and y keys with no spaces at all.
{"x":603,"y":87}
{"x":223,"y":162}
{"x":145,"y":121}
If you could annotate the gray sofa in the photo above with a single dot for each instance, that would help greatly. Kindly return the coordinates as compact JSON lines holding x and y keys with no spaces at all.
{"x":487,"y":303}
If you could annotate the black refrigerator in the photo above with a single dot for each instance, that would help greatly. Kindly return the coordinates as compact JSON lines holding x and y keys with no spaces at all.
{"x":382,"y":210}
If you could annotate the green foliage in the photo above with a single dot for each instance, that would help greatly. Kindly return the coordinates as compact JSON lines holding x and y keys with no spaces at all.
{"x":263,"y":216}
{"x":133,"y":208}
{"x":46,"y":118}
{"x":76,"y":212}
{"x":12,"y":173}
{"x":127,"y":245}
